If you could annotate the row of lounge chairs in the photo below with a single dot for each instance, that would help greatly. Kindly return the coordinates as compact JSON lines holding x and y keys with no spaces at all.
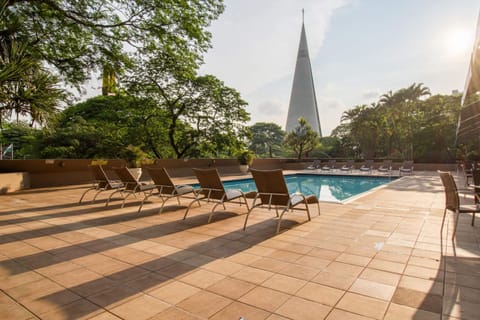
{"x":271,"y":191}
{"x":367,"y":166}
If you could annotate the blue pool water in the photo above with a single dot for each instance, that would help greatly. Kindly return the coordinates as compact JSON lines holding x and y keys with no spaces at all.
{"x":327,"y":188}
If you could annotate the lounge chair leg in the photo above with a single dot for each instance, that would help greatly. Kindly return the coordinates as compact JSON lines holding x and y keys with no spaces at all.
{"x":456,"y":223}
{"x":83,"y":195}
{"x":308,"y":212}
{"x":210,"y":217}
{"x":318,"y":207}
{"x":188,"y":208}
{"x":246,"y":203}
{"x":443,"y":220}
{"x":163,"y":205}
{"x":473,"y":218}
{"x":110,"y":197}
{"x":246,"y":218}
{"x":140,"y":208}
{"x":280,"y":219}
{"x":141,"y":204}
{"x":213,"y":210}
{"x":96,"y":194}
{"x":125,"y":199}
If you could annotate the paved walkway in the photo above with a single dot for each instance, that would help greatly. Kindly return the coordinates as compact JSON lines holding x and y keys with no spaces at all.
{"x":380,"y":256}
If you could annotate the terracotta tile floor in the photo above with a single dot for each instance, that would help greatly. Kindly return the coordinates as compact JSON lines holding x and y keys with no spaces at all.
{"x":380,"y":256}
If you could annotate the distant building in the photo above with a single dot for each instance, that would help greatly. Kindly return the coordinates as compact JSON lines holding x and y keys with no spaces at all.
{"x":468,"y":128}
{"x":303,"y":101}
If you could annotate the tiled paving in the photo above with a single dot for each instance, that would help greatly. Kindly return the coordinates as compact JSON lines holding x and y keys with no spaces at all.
{"x":380,"y":256}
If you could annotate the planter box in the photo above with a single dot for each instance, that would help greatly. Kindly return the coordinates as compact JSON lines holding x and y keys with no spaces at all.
{"x":14,"y":181}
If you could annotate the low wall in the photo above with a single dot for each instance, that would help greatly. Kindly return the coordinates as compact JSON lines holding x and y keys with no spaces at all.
{"x":52,"y":173}
{"x":183,"y":168}
{"x":62,"y":172}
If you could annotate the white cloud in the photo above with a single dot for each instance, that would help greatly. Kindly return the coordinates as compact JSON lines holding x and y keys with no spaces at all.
{"x":370,"y":96}
{"x":330,"y":111}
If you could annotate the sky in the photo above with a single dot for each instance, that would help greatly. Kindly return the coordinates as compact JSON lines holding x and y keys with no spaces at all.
{"x":359,"y":50}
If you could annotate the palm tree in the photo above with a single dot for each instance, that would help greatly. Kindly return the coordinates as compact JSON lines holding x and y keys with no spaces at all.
{"x":416,"y":91}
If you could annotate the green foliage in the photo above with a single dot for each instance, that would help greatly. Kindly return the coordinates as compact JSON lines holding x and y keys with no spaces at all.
{"x":97,"y":128}
{"x":26,"y":87}
{"x":134,"y":156}
{"x":201,"y":116}
{"x":77,"y":37}
{"x":302,"y":139}
{"x":101,"y":127}
{"x":329,"y":147}
{"x":266,"y":139}
{"x":245,"y":157}
{"x":402,"y":125}
{"x":23,"y":138}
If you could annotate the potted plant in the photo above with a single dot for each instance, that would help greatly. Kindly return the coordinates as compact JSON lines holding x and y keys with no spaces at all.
{"x":134,"y":156}
{"x":245,"y":159}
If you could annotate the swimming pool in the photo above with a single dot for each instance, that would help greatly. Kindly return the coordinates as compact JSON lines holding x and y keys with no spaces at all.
{"x":328,"y":188}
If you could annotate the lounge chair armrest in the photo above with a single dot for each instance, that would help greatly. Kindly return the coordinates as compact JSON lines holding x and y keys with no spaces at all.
{"x":209,"y":189}
{"x":297,"y":194}
{"x":271,"y":194}
{"x":206,"y":192}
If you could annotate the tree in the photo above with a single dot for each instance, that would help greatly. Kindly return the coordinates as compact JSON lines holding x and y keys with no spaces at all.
{"x":266,"y":138}
{"x":346,"y":146}
{"x":35,"y":93}
{"x":201,"y":114}
{"x":363,"y":128}
{"x":101,"y":127}
{"x":435,"y":133}
{"x":404,"y":125}
{"x":302,"y":139}
{"x":77,"y":37}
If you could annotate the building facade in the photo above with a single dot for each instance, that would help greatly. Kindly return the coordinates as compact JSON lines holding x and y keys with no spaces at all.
{"x":303,"y":101}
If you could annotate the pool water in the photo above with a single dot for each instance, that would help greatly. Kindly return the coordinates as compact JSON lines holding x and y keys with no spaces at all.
{"x":326,"y":188}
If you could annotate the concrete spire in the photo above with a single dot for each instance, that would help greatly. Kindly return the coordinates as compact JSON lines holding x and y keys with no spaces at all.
{"x":303,"y":101}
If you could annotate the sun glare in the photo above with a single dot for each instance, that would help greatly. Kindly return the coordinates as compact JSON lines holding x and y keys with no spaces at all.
{"x":459,"y":41}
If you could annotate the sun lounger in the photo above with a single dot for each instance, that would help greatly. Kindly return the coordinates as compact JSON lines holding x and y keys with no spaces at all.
{"x":329,"y":166}
{"x":386,"y":166}
{"x":273,"y":193}
{"x":165,"y":188}
{"x":315,"y":165}
{"x":406,"y":168}
{"x":349,"y":166}
{"x":101,"y":182}
{"x":212,"y":190}
{"x":132,"y":185}
{"x":367,"y":166}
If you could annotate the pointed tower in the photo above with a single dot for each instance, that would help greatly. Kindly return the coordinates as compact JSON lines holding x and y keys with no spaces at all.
{"x":303,"y":102}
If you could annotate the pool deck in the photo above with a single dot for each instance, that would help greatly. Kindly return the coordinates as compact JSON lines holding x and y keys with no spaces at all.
{"x":380,"y":256}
